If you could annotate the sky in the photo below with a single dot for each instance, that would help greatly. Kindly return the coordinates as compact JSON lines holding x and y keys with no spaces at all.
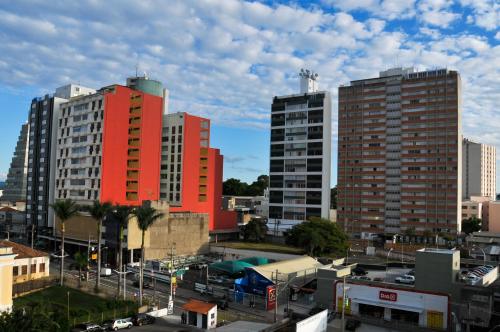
{"x":226,"y":59}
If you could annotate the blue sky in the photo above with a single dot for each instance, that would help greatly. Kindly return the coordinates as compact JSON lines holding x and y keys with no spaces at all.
{"x":226,"y":59}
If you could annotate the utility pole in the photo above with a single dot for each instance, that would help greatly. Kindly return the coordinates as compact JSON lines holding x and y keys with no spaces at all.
{"x":88,"y":260}
{"x":32,"y":234}
{"x":277,"y":294}
{"x":343,"y":304}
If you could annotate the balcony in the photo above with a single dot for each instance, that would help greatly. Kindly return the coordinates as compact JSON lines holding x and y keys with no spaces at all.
{"x":132,"y":196}
{"x":134,"y":142}
{"x":132,"y":185}
{"x":134,"y":121}
{"x":134,"y":131}
{"x":134,"y":175}
{"x":133,"y":152}
{"x":134,"y":163}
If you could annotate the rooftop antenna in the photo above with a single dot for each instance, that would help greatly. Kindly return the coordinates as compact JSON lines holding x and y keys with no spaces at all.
{"x":136,"y":69}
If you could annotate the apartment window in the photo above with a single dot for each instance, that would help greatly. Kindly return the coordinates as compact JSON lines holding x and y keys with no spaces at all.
{"x":15,"y":271}
{"x":24,"y":270}
{"x":33,"y":268}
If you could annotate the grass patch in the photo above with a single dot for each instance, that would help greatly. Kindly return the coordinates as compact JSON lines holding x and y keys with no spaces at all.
{"x":263,"y":246}
{"x":83,"y":307}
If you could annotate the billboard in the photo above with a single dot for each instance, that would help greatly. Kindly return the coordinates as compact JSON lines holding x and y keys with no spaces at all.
{"x":271,"y":297}
{"x":315,"y":323}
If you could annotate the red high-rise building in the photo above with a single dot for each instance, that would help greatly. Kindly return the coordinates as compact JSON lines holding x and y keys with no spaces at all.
{"x":191,"y":171}
{"x":109,"y":145}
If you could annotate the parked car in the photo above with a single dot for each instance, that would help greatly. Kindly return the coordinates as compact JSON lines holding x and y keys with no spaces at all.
{"x":405,"y":279}
{"x":117,"y":324}
{"x":411,"y":273}
{"x":142,"y":319}
{"x":359,"y":271}
{"x":89,"y":327}
{"x":352,"y":324}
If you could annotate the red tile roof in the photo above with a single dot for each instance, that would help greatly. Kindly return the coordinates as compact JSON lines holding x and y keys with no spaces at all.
{"x":8,"y":209}
{"x":198,"y":306}
{"x":22,"y":251}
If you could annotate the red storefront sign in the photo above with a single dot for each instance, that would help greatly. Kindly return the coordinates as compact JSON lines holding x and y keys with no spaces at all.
{"x":270,"y":297}
{"x":388,"y":296}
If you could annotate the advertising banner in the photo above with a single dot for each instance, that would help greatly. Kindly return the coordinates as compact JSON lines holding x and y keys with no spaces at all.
{"x":271,"y":297}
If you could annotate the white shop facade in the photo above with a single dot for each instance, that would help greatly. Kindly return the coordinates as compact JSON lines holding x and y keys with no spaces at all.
{"x":388,"y":303}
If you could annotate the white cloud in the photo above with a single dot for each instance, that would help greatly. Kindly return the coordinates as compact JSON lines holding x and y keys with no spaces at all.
{"x":437,"y":12}
{"x":226,"y":59}
{"x":485,"y":13}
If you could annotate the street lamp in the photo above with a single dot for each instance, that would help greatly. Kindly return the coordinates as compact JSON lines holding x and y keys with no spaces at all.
{"x":387,"y":262}
{"x":484,"y":253}
{"x":402,"y":247}
{"x":124,"y":273}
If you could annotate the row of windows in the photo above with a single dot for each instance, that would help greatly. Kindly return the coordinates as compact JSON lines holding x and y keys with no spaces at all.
{"x":24,"y":269}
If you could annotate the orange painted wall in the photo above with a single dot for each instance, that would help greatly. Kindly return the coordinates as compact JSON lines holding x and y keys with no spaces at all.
{"x":115,"y":146}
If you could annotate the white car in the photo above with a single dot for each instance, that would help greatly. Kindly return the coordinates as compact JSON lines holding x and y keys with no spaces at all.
{"x":406,"y":279}
{"x":117,"y":324}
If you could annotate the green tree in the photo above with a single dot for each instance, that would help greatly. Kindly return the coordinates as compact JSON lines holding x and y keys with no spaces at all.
{"x":333,"y":198}
{"x":121,"y":214}
{"x":471,"y":225}
{"x":64,"y":210}
{"x":34,"y":318}
{"x":233,"y":187}
{"x":99,"y":211}
{"x":256,"y":229}
{"x":145,"y":216}
{"x":81,"y":261}
{"x":319,"y":236}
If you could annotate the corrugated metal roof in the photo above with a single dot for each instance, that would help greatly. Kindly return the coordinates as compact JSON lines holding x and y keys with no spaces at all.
{"x":286,"y":267}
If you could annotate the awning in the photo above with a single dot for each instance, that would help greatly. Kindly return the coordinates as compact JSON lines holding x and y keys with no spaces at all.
{"x":389,"y":305}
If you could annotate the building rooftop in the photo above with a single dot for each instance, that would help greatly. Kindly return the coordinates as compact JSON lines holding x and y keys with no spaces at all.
{"x":22,"y":251}
{"x":438,"y":250}
{"x":198,"y":306}
{"x":8,"y":209}
{"x":287,"y":267}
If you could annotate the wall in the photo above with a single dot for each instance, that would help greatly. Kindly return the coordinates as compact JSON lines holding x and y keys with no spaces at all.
{"x":189,"y":232}
{"x":31,"y":275}
{"x":79,"y":227}
{"x":6,"y":261}
{"x":493,"y":210}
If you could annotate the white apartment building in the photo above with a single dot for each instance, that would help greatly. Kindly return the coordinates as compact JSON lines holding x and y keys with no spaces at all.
{"x":79,"y":154}
{"x":300,"y":156}
{"x":478,"y":170}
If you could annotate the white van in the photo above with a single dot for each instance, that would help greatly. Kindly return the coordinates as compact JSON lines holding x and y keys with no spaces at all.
{"x":105,"y":272}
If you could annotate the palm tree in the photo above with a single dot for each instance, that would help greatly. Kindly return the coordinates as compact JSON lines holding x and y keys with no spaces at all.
{"x":121,"y":214}
{"x":146,"y":216}
{"x":99,"y":211}
{"x":81,"y":261}
{"x":64,"y":210}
